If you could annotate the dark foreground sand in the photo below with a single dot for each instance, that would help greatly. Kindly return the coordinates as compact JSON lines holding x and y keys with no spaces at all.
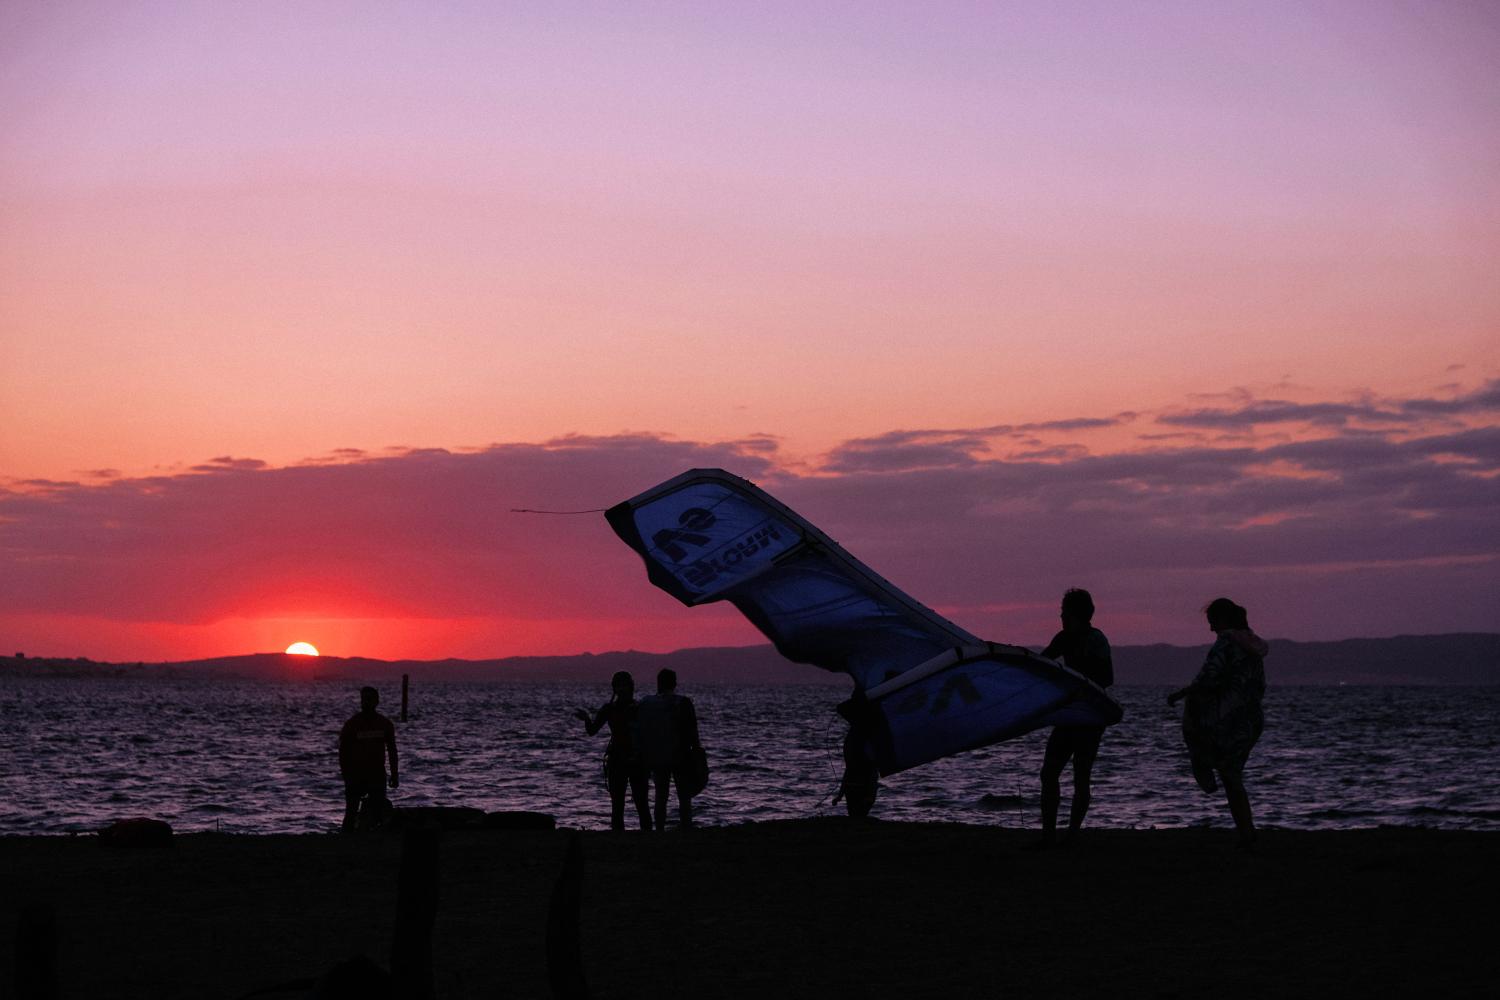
{"x":814,"y":908}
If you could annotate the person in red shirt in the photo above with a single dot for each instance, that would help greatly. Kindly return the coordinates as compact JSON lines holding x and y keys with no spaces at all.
{"x":363,"y":744}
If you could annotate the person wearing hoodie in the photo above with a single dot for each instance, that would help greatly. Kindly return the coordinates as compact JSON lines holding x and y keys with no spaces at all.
{"x":1223,"y":717}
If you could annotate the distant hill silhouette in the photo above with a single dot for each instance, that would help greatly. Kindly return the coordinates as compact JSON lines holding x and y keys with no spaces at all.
{"x":1460,"y":658}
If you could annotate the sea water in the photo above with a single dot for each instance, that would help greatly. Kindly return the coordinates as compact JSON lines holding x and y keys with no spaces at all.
{"x":249,"y":757}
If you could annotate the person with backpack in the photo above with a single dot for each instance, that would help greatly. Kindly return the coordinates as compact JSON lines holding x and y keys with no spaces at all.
{"x":669,"y":747}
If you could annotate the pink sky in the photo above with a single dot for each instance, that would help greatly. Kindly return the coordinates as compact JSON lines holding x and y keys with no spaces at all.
{"x":848,"y":252}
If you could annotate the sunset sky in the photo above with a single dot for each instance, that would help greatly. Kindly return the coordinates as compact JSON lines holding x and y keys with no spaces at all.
{"x":1169,"y":301}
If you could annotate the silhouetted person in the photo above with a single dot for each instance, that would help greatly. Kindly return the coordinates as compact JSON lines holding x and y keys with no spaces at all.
{"x":363,"y":744}
{"x":1223,"y":717}
{"x":861,"y":781}
{"x":669,"y":731}
{"x":622,"y":759}
{"x":1085,"y":649}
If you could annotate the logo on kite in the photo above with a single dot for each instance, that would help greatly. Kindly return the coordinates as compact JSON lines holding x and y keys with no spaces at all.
{"x":957,"y":683}
{"x":694,"y":521}
{"x":707,"y":569}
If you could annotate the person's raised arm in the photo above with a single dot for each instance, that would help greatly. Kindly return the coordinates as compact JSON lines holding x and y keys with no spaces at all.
{"x":1210,"y":676}
{"x":593,"y":725}
{"x":1054,"y":648}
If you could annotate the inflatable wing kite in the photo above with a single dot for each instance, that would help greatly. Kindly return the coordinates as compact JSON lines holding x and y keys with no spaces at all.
{"x":926,"y":687}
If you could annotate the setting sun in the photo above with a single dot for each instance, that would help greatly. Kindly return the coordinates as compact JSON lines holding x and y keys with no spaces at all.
{"x":302,"y":649}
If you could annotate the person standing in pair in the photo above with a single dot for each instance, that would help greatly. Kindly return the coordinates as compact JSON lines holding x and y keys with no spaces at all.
{"x":669,"y":735}
{"x":1082,"y":648}
{"x":622,"y":761}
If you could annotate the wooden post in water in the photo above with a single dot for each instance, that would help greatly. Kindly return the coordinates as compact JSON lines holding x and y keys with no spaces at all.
{"x":405,"y":681}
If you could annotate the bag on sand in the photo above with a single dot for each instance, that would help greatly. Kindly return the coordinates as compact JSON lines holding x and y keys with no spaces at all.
{"x":694,"y":776}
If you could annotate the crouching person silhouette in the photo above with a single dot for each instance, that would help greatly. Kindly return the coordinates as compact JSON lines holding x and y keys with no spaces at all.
{"x":364,"y":742}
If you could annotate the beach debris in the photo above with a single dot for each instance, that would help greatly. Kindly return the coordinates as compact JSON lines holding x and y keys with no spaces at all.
{"x":564,"y":944}
{"x":929,"y":688}
{"x":137,"y":832}
{"x":416,"y":910}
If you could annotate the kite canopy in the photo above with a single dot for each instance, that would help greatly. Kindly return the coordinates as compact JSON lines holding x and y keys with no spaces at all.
{"x":927,"y":687}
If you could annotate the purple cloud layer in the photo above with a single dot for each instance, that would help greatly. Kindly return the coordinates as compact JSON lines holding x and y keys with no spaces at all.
{"x":1356,"y":532}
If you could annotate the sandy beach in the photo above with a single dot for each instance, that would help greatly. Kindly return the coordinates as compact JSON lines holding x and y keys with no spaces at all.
{"x":807,"y":908}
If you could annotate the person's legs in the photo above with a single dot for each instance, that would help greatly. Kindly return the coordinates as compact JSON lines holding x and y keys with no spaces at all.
{"x":1203,"y":773}
{"x":1086,"y":751}
{"x":619,"y":777}
{"x":860,"y":785}
{"x":660,"y":778}
{"x":684,"y":803}
{"x":1059,"y":749}
{"x":642,"y":798}
{"x":352,"y":792}
{"x":1239,"y":805}
{"x":377,"y":808}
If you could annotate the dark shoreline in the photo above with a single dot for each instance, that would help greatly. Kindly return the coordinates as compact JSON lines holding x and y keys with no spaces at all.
{"x":1451,"y":659}
{"x":795,"y":908}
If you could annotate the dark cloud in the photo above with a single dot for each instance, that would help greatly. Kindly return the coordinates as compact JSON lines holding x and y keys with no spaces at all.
{"x":905,"y":451}
{"x":1253,"y":413}
{"x":226,"y":463}
{"x":423,"y":533}
{"x":1170,"y":525}
{"x":1276,"y":411}
{"x":1351,"y":533}
{"x":1055,"y":453}
{"x":1075,"y":424}
{"x":1483,"y":400}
